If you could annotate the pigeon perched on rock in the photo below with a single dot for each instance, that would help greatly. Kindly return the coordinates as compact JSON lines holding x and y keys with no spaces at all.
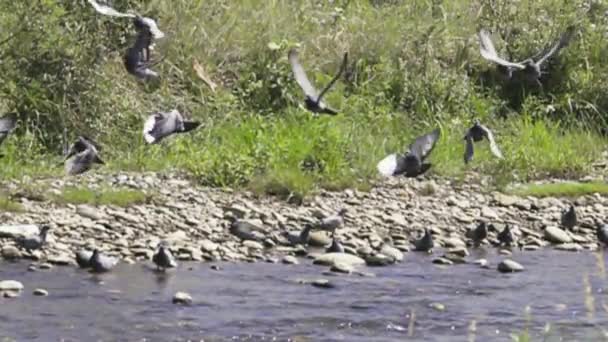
{"x":82,"y":155}
{"x":475,"y":134}
{"x":163,"y":124}
{"x":411,"y":163}
{"x":314,"y":100}
{"x":301,"y":237}
{"x":568,"y":218}
{"x":163,"y":258}
{"x":602,"y":233}
{"x":101,"y":263}
{"x":35,"y":242}
{"x":505,"y":237}
{"x":478,"y":234}
{"x":425,"y":243}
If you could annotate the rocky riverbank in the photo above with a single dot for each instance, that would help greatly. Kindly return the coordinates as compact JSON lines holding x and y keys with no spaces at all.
{"x":379,"y":227}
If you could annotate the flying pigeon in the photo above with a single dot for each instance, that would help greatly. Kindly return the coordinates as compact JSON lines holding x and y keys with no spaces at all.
{"x":138,"y":20}
{"x":475,"y":134}
{"x":163,"y":124}
{"x":7,"y":124}
{"x":411,"y":163}
{"x":81,"y":156}
{"x":314,"y":100}
{"x":487,"y":50}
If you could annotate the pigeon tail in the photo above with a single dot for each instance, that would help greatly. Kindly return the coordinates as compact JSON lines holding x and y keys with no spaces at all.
{"x":190,"y":125}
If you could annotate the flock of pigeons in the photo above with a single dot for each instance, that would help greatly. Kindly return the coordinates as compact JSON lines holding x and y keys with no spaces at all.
{"x":84,"y":152}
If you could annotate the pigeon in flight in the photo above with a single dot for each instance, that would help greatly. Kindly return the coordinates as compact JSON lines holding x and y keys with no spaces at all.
{"x":411,"y":163}
{"x":81,"y":156}
{"x":138,"y":20}
{"x":314,"y":100}
{"x":163,"y":124}
{"x":530,"y":67}
{"x":475,"y":134}
{"x":7,"y":124}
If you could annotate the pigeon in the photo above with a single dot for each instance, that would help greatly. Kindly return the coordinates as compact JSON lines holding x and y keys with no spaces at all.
{"x":138,"y":20}
{"x":478,"y":234}
{"x":331,"y":223}
{"x":7,"y":124}
{"x":411,"y":163}
{"x":568,"y":219}
{"x":602,"y":233}
{"x":530,"y":67}
{"x":163,"y":258}
{"x":505,"y":237}
{"x":34,"y":242}
{"x":83,"y":258}
{"x":425,"y":243}
{"x":81,"y":156}
{"x":101,"y":263}
{"x":314,"y":101}
{"x":137,"y":57}
{"x":300,"y":238}
{"x":487,"y":50}
{"x":475,"y":134}
{"x":163,"y":124}
{"x":335,"y":247}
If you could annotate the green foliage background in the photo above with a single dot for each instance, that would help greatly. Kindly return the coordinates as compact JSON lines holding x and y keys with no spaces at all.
{"x":413,"y":65}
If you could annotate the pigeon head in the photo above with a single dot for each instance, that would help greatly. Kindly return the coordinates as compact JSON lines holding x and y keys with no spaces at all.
{"x":44,"y":229}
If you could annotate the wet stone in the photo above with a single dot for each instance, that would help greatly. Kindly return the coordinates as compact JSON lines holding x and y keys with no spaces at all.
{"x":41,"y":292}
{"x":508,"y":265}
{"x":182,"y":298}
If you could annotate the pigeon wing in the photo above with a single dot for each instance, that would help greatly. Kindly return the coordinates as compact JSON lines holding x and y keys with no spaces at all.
{"x":300,"y":75}
{"x":562,"y":42}
{"x":468,"y":148}
{"x":107,"y":10}
{"x":423,"y":145}
{"x":487,"y":50}
{"x":388,"y":165}
{"x":153,"y":27}
{"x":493,"y":146}
{"x":331,"y":83}
{"x":157,"y":126}
{"x":79,"y":164}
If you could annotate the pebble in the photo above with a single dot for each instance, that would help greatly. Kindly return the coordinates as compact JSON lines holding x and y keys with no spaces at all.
{"x":341,"y":268}
{"x":330,"y":259}
{"x":322,"y":283}
{"x":508,"y":265}
{"x":182,"y":298}
{"x":442,"y":261}
{"x":290,"y":260}
{"x":10,"y":285}
{"x":45,"y":266}
{"x":437,"y":306}
{"x":41,"y":292}
{"x":557,"y":235}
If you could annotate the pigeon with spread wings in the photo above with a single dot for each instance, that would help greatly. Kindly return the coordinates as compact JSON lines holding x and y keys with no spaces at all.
{"x":487,"y":50}
{"x":81,"y":156}
{"x":137,"y":19}
{"x":411,"y":163}
{"x":314,"y":101}
{"x":475,"y":134}
{"x":163,"y":124}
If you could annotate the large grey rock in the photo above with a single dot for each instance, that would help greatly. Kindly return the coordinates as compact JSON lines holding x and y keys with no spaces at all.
{"x":89,"y":212}
{"x":557,"y":235}
{"x":182,"y":298}
{"x":10,"y":285}
{"x":10,"y":252}
{"x":392,"y":252}
{"x":508,"y":265}
{"x":14,"y":231}
{"x":330,"y":259}
{"x":319,"y":239}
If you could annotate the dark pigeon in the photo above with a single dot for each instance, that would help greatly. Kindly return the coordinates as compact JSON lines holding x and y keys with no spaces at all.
{"x":101,"y":263}
{"x":602,"y":233}
{"x":411,"y":163}
{"x":82,"y":155}
{"x":7,"y":124}
{"x":425,"y":243}
{"x":163,"y":124}
{"x":475,"y":134}
{"x":163,"y":258}
{"x":299,"y":238}
{"x":505,"y":237}
{"x":478,"y":234}
{"x":35,"y":242}
{"x":568,"y":218}
{"x":314,"y":100}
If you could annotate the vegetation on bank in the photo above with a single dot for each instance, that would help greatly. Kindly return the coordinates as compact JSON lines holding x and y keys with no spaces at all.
{"x":414,"y":65}
{"x":562,"y":189}
{"x":85,"y":195}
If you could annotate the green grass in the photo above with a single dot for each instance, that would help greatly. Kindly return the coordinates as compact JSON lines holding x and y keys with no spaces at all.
{"x":565,"y":189}
{"x":117,"y":197}
{"x":414,"y":66}
{"x":6,"y":204}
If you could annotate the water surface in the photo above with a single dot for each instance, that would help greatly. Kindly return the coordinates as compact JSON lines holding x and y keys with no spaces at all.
{"x":264,"y":302}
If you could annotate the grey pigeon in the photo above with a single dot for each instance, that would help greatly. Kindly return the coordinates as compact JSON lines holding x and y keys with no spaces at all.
{"x":246,"y":230}
{"x":314,"y":100}
{"x":335,"y":247}
{"x":505,"y":237}
{"x":139,"y":21}
{"x":478,"y":234}
{"x":568,"y":219}
{"x":34,"y":242}
{"x":425,"y":243}
{"x":475,"y":134}
{"x":530,"y":67}
{"x":83,"y":258}
{"x":137,"y":58}
{"x":7,"y":124}
{"x":299,"y":238}
{"x":163,"y":258}
{"x":602,"y":233}
{"x":101,"y":263}
{"x":333,"y":222}
{"x":411,"y":163}
{"x":81,"y":156}
{"x":163,"y":124}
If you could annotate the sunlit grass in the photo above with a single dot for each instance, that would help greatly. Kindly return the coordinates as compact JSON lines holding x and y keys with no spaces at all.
{"x":117,"y":197}
{"x":563,"y":189}
{"x":6,"y":204}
